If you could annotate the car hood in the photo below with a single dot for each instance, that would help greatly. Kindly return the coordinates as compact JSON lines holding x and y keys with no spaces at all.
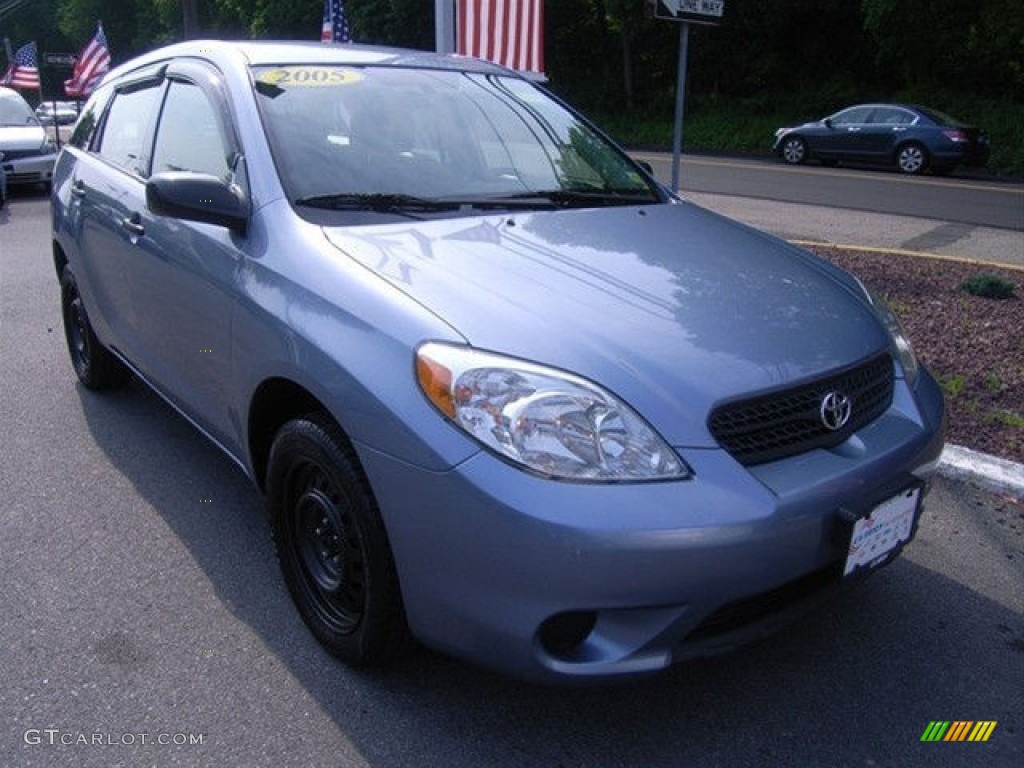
{"x":671,"y":307}
{"x":808,"y":124}
{"x":21,"y":137}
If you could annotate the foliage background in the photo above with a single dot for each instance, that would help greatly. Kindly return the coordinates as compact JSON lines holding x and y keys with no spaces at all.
{"x":770,"y":63}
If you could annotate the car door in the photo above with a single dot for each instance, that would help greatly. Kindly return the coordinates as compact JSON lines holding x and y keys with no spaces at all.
{"x":185,"y":286}
{"x":108,"y":193}
{"x":841,"y":138}
{"x":885,"y":128}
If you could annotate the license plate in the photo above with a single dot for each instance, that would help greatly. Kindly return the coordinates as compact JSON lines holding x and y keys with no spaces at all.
{"x":889,"y":526}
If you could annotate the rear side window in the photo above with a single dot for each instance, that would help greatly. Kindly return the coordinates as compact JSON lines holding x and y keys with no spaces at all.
{"x":124,"y":133}
{"x":892,"y":116}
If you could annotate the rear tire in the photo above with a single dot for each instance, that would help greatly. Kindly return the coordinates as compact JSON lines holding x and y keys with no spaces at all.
{"x":94,"y":364}
{"x":332,"y":545}
{"x":912,"y":159}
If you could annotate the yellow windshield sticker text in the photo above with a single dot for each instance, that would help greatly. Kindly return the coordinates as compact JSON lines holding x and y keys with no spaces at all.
{"x":309,"y":77}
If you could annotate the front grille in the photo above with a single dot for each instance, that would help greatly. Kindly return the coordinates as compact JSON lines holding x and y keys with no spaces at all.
{"x":742,"y":613}
{"x":17,"y":154}
{"x":788,"y":422}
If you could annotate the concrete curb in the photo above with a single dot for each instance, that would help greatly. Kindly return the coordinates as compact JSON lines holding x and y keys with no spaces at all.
{"x":989,"y":472}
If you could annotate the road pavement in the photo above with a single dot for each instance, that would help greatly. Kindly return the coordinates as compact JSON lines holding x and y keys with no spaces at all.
{"x":909,"y":235}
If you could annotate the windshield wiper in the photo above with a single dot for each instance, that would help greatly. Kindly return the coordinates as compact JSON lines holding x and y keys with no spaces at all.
{"x":375,"y":201}
{"x":584,"y":198}
{"x":378,"y":201}
{"x":398,"y":202}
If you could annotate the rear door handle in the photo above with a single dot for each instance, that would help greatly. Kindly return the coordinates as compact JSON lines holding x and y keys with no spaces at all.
{"x":78,"y":188}
{"x":133,"y":224}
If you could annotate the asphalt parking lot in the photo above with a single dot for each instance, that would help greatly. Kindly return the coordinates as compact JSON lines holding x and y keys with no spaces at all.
{"x":145,"y":623}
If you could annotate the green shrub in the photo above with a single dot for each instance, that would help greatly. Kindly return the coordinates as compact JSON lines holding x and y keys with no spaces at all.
{"x":988,"y":285}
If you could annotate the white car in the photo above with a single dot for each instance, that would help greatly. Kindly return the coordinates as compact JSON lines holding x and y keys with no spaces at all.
{"x":57,"y":112}
{"x":28,"y":153}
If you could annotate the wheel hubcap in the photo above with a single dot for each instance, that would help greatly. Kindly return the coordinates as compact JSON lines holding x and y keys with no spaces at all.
{"x":793,"y":151}
{"x":911,"y":159}
{"x":327,"y":550}
{"x":320,"y":540}
{"x":78,"y":330}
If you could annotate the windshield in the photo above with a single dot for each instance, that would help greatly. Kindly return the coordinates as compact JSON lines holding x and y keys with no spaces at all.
{"x":393,"y":135}
{"x":14,"y":111}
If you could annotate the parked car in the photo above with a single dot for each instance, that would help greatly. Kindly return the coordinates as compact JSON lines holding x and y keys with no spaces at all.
{"x":503,"y":392}
{"x":913,"y":139}
{"x":57,"y":112}
{"x":29,"y":155}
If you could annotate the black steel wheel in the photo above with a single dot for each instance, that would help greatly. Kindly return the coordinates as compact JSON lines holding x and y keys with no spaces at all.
{"x":332,"y":545}
{"x":94,"y":365}
{"x":794,"y":150}
{"x":912,"y":158}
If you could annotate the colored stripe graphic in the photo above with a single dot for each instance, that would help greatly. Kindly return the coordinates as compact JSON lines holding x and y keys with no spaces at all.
{"x":982,"y":730}
{"x":959,"y":730}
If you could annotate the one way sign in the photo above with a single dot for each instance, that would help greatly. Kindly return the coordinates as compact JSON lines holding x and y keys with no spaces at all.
{"x":697,"y":11}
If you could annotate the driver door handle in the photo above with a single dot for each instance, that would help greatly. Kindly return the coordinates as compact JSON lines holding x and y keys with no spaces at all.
{"x":78,"y":188}
{"x":133,"y":224}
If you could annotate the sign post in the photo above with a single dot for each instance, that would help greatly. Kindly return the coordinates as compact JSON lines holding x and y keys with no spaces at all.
{"x":62,"y":60}
{"x":686,"y":12}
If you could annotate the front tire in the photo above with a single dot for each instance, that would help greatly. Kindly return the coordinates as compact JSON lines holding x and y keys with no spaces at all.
{"x":332,"y":545}
{"x":912,"y":159}
{"x":794,"y":150}
{"x":94,"y":364}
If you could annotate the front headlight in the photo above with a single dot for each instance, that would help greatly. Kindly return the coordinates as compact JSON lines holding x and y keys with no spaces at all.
{"x":544,"y":420}
{"x":900,"y":342}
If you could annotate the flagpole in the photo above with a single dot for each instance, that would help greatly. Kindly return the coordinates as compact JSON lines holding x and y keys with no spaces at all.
{"x":444,"y":26}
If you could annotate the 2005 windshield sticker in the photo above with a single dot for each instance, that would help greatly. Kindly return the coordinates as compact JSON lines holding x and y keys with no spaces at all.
{"x":309,"y":76}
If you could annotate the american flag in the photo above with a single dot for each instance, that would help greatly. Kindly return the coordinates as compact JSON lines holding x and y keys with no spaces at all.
{"x":507,"y":32}
{"x":90,"y":66}
{"x":335,"y":26}
{"x":24,"y":72}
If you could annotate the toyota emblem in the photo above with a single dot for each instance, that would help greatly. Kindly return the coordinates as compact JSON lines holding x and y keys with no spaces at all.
{"x":835,"y":410}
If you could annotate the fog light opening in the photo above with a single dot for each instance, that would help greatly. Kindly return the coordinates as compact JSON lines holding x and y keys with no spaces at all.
{"x":563,"y":634}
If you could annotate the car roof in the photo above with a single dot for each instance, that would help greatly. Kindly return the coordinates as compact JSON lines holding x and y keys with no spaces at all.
{"x":283,"y":52}
{"x":909,"y":107}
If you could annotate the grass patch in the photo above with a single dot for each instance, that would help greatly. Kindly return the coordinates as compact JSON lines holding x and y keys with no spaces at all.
{"x":988,"y":286}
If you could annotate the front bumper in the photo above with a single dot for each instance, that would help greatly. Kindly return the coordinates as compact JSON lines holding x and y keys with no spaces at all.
{"x":28,"y":169}
{"x":552,"y":581}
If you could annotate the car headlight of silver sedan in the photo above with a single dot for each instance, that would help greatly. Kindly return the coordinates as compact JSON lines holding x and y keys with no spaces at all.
{"x":544,"y":420}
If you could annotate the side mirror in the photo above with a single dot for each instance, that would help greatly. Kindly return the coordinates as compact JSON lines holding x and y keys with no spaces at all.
{"x":198,"y":197}
{"x":827,"y":122}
